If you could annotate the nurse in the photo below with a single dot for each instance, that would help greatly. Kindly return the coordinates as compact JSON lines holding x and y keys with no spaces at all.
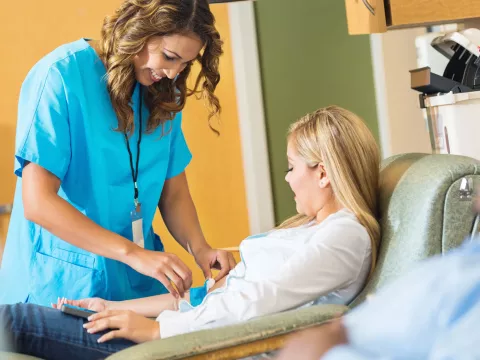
{"x":99,"y":147}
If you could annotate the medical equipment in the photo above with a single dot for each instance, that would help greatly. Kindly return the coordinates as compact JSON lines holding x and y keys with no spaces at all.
{"x":452,"y":100}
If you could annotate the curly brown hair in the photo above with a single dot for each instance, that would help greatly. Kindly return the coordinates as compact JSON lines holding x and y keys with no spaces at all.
{"x":125,"y":34}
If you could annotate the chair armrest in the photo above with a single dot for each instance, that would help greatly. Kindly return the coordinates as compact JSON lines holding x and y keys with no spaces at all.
{"x":218,"y":339}
{"x":235,"y":251}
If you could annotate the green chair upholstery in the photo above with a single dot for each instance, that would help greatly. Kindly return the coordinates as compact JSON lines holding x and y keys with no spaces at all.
{"x":12,"y":356}
{"x":422,"y":213}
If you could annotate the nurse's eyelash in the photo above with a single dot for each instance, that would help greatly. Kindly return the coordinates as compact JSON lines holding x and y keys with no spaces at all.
{"x":168,"y":58}
{"x":289,"y":169}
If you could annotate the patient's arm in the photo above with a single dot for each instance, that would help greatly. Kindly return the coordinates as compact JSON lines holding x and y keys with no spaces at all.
{"x":152,"y":306}
{"x":148,"y":306}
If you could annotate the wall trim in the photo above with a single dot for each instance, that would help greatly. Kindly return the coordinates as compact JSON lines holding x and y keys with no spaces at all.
{"x":376,"y":50}
{"x":251,"y":116}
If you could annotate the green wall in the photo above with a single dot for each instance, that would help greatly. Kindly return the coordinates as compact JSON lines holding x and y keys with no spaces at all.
{"x":308,"y":61}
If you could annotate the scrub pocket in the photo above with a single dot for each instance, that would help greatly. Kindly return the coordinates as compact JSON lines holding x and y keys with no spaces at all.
{"x":64,"y":274}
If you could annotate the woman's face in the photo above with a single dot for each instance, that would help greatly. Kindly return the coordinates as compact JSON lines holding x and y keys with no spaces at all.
{"x":306,"y":183}
{"x":165,"y":56}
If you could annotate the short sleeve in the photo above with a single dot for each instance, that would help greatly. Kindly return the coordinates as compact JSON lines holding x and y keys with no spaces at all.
{"x":180,"y":155}
{"x":43,"y":132}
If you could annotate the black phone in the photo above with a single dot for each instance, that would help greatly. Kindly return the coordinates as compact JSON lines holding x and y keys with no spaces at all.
{"x":76,"y":311}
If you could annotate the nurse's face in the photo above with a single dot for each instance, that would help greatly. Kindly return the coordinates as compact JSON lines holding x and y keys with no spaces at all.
{"x":308,"y":184}
{"x":165,"y":56}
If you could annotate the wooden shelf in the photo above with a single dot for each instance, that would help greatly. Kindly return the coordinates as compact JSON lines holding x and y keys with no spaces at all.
{"x":361,"y":21}
{"x":392,"y":14}
{"x":412,"y":12}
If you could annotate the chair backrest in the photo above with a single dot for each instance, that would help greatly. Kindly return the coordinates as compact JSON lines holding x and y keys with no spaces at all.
{"x":422,"y":211}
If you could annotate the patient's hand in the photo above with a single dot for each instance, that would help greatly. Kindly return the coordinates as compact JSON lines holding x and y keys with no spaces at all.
{"x":124,"y":324}
{"x":94,"y":304}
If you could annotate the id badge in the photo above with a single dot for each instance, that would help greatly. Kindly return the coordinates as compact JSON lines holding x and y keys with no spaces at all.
{"x":137,"y":226}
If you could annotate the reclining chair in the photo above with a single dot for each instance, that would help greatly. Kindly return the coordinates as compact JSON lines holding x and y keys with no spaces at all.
{"x":425,"y":210}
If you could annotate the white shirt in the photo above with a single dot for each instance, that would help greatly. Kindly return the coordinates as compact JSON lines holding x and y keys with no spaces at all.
{"x":281,"y":270}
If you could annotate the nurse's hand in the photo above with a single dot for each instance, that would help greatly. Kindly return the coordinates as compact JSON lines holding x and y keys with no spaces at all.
{"x":127,"y":325}
{"x":208,"y":259}
{"x":165,"y":267}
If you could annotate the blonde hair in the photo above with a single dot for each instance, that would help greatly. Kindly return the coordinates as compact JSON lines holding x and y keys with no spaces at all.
{"x":341,"y":141}
{"x":125,"y":34}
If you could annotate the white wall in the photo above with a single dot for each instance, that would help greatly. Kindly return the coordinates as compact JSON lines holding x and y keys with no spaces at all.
{"x":401,"y":124}
{"x":251,"y":117}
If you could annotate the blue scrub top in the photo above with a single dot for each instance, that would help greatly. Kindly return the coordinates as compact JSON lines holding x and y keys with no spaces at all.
{"x":65,"y":124}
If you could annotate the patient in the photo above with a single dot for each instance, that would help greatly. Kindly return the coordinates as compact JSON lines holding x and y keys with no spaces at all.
{"x":322,"y":255}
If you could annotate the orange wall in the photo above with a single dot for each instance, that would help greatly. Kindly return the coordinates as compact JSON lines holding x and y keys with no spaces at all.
{"x":32,"y":28}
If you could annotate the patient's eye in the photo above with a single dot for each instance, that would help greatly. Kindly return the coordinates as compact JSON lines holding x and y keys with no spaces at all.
{"x":289,"y":169}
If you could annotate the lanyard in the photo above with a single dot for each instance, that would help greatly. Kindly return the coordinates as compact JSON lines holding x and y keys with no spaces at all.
{"x":135,"y":169}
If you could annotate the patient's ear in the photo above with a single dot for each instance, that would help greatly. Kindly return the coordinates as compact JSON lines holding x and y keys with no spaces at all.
{"x":323,"y":179}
